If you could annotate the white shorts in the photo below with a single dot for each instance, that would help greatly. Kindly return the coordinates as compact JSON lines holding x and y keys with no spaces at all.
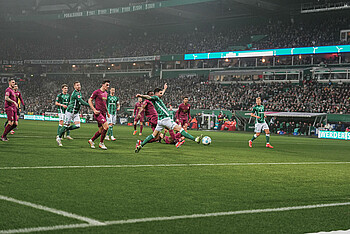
{"x":112,"y":119}
{"x":167,"y":123}
{"x":260,"y":126}
{"x":69,"y":117}
{"x":61,"y":116}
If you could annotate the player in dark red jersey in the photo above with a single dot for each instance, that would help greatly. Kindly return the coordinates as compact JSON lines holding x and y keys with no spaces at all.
{"x":100,"y":113}
{"x":20,"y":103}
{"x":139,"y":115}
{"x":10,"y":109}
{"x":183,"y":114}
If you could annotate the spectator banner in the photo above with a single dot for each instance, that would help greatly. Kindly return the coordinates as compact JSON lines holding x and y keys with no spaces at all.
{"x":95,"y":61}
{"x":271,"y":52}
{"x":334,"y":135}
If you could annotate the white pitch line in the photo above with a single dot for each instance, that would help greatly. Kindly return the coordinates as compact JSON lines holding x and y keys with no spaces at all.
{"x":174,"y":165}
{"x":52,"y":210}
{"x":156,"y":219}
{"x":333,"y":232}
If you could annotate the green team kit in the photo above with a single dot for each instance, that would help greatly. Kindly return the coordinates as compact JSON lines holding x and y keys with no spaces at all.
{"x":75,"y":103}
{"x":64,"y":100}
{"x":112,"y":106}
{"x":112,"y":102}
{"x":260,"y":124}
{"x":259,"y":111}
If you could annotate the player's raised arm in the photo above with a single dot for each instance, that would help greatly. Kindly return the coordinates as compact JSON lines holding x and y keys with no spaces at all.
{"x":165,"y":87}
{"x":144,"y":96}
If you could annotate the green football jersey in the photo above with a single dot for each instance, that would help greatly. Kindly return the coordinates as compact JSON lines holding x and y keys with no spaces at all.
{"x":112,"y":103}
{"x":62,"y":99}
{"x":75,"y":102}
{"x":259,"y":111}
{"x":160,"y":107}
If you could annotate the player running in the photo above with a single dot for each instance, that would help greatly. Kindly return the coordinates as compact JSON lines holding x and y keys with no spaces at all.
{"x":72,"y":112}
{"x":139,"y":115}
{"x":62,"y":101}
{"x":164,"y":120}
{"x":258,"y":113}
{"x":183,"y":114}
{"x":100,"y":113}
{"x":10,"y":109}
{"x":113,"y":106}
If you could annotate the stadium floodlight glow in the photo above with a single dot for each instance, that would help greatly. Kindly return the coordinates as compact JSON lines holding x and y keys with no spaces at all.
{"x":270,"y":52}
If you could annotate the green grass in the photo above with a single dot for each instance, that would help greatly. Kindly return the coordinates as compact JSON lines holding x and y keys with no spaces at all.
{"x":108,"y":194}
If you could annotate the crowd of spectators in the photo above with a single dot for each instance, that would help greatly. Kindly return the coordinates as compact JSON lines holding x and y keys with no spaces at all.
{"x":297,"y":32}
{"x":40,"y":92}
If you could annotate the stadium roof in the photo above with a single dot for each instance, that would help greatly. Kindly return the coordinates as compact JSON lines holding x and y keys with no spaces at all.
{"x":201,"y":11}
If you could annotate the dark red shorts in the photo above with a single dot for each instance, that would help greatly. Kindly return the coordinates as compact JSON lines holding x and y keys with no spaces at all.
{"x":11,"y":114}
{"x":100,"y":118}
{"x":183,"y":122}
{"x":153,"y":122}
{"x":142,"y":119}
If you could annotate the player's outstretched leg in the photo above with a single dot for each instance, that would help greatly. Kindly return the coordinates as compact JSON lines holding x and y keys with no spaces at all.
{"x":68,"y":135}
{"x":256,"y":135}
{"x":144,"y":142}
{"x":187,"y":135}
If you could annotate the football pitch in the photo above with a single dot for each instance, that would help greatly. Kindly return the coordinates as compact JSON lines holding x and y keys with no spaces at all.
{"x":300,"y":186}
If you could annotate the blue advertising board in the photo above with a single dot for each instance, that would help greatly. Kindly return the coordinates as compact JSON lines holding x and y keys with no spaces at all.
{"x":334,"y":135}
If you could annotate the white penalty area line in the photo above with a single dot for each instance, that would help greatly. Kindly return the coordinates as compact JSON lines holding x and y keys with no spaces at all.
{"x":333,"y":232}
{"x":169,"y":218}
{"x":52,"y":210}
{"x":174,"y":165}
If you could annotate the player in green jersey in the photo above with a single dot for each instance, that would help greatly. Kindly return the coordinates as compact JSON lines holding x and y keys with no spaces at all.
{"x":113,"y":106}
{"x":164,"y":120}
{"x":258,"y":113}
{"x":62,"y":101}
{"x":72,"y":112}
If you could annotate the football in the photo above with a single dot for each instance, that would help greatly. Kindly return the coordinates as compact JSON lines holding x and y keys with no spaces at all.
{"x":206,"y":140}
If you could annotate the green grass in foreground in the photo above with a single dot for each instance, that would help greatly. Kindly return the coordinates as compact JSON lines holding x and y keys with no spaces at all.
{"x":109,"y":194}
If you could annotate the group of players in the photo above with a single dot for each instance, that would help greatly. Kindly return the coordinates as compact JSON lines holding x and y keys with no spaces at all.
{"x":105,"y":109}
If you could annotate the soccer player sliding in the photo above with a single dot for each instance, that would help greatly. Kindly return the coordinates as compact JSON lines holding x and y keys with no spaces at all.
{"x":258,"y":113}
{"x":164,"y":120}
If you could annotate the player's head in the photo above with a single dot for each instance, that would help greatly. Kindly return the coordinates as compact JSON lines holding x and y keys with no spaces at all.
{"x":139,"y":99}
{"x":105,"y":84}
{"x":12,"y":83}
{"x":258,"y":101}
{"x":112,"y":91}
{"x":64,"y":88}
{"x":15,"y":88}
{"x":185,"y":100}
{"x":77,"y":86}
{"x":158,"y":92}
{"x":150,"y":93}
